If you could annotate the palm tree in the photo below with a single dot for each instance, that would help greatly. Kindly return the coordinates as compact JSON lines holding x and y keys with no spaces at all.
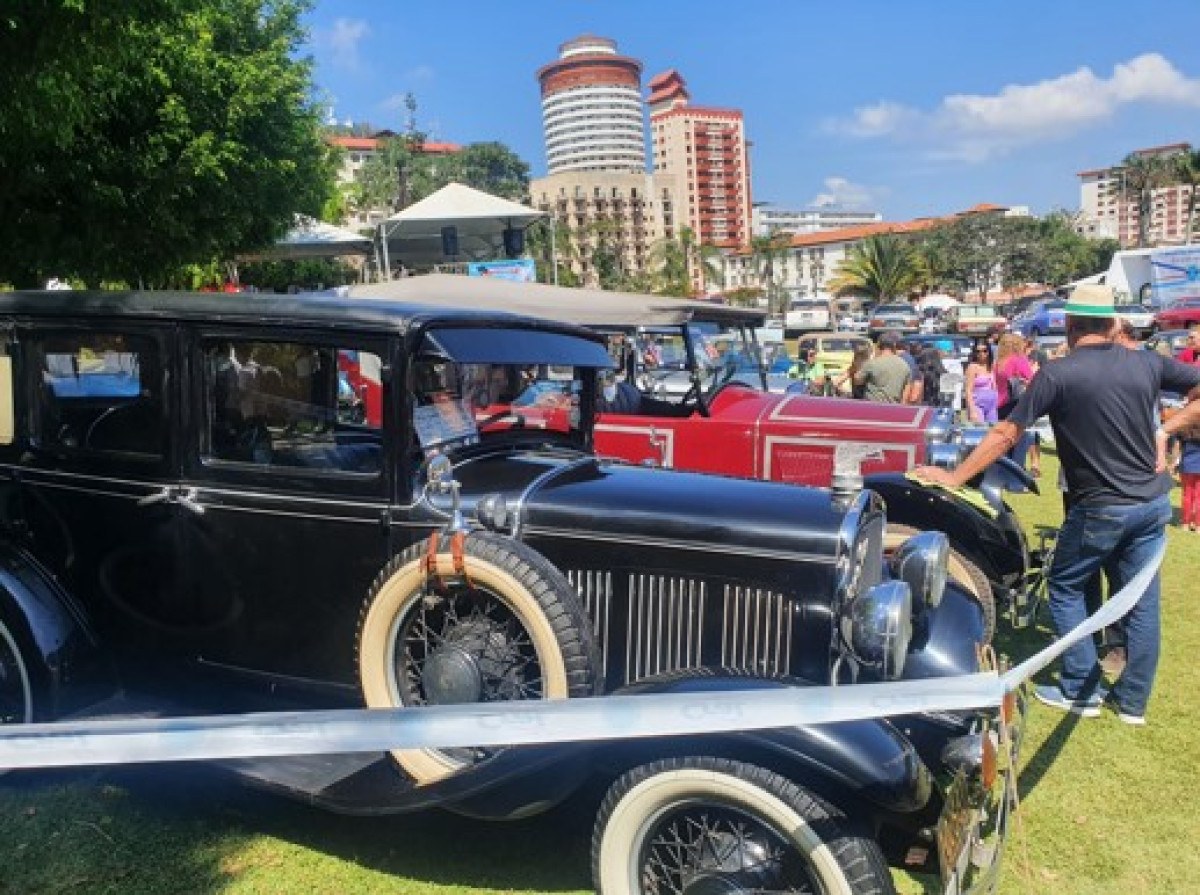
{"x":766,"y":253}
{"x":1141,"y":175}
{"x":881,"y":267}
{"x":669,"y":267}
{"x":1187,"y":171}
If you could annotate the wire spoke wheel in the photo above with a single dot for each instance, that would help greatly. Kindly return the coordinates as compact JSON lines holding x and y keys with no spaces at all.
{"x":16,"y":698}
{"x":466,"y":645}
{"x":500,"y":624}
{"x":706,"y":849}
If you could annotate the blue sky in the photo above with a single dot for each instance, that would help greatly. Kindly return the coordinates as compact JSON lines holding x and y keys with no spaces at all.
{"x":910,"y":108}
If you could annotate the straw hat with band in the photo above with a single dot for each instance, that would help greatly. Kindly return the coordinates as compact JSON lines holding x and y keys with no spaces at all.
{"x":1092,"y":300}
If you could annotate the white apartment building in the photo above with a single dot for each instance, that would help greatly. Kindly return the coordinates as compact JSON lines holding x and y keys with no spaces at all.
{"x":772,"y":219}
{"x":603,"y":205}
{"x":592,"y":112}
{"x":1106,"y":213}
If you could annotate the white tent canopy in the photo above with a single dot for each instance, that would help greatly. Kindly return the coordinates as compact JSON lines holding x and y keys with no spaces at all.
{"x":479,"y":219}
{"x":310,"y":238}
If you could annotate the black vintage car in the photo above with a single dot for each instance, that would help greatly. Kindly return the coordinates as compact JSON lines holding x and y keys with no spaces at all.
{"x":195,"y":519}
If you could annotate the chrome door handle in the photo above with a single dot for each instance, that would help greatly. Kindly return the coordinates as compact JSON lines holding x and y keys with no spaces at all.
{"x":188,"y":501}
{"x":163,"y":496}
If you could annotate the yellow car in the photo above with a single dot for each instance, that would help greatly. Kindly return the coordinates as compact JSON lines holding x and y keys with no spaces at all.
{"x":834,"y":350}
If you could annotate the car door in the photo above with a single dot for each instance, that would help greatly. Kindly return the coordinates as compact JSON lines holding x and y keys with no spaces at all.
{"x":98,"y":410}
{"x":288,"y":498}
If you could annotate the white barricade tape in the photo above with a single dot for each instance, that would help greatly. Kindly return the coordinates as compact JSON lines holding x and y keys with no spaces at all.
{"x":102,"y":742}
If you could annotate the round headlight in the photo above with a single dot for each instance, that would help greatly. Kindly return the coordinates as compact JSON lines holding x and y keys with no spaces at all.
{"x":944,"y":455}
{"x":922,"y":563}
{"x":878,"y":627}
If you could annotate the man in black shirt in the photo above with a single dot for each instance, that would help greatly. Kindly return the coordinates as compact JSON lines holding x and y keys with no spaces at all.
{"x":1102,"y":400}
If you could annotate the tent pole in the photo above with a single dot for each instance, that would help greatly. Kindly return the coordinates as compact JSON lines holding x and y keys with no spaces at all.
{"x":387,"y":264}
{"x":553,"y":247}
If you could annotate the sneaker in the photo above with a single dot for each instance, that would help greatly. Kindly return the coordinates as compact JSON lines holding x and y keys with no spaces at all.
{"x":1133,"y":720}
{"x":1053,"y":696}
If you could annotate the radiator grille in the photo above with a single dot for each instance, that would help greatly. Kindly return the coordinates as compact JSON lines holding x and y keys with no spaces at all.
{"x":665,"y":630}
{"x":595,"y":590}
{"x":756,"y":631}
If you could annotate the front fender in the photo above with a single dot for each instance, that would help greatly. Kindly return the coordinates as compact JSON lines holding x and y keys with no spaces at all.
{"x":69,"y":667}
{"x":996,"y":544}
{"x":864,"y":761}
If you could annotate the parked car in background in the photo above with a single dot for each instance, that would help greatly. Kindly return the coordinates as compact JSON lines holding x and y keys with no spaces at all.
{"x":931,"y":320}
{"x":1041,"y":318}
{"x":1180,"y":315}
{"x":902,"y":318}
{"x":806,"y":315}
{"x":193,"y":525}
{"x":852,"y":322}
{"x":1168,"y":341}
{"x":974,"y":320}
{"x":962,"y":344}
{"x":1051,"y":343}
{"x":1140,"y":318}
{"x":834,"y":350}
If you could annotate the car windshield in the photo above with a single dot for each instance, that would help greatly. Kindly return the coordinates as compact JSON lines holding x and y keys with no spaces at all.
{"x":977,"y":311}
{"x":837,"y":344}
{"x":894,"y":309}
{"x":1131,"y":309}
{"x":455,"y":404}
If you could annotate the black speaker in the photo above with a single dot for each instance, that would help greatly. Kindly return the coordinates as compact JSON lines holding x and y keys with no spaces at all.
{"x":450,"y":241}
{"x":514,"y":241}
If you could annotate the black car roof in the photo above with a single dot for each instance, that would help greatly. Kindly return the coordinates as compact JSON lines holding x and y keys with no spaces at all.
{"x":303,"y":310}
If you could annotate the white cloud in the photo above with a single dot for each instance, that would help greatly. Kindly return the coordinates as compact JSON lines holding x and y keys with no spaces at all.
{"x":420,"y":73}
{"x":342,"y":41}
{"x":843,"y":193}
{"x":974,"y":127}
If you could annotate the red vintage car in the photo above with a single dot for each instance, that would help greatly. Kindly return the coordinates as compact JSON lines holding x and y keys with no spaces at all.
{"x":701,"y":404}
{"x":1181,"y":315}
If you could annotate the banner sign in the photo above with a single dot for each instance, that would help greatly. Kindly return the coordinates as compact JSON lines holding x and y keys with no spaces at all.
{"x":121,"y":741}
{"x":1176,"y":274}
{"x":520,"y":270}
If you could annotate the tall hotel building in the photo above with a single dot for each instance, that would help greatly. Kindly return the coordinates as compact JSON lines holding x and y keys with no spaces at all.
{"x":1106,"y":211}
{"x":597,"y":185}
{"x":701,"y":161}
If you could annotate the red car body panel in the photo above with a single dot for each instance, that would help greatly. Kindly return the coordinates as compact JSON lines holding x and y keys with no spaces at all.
{"x":784,"y":438}
{"x":1179,"y":317}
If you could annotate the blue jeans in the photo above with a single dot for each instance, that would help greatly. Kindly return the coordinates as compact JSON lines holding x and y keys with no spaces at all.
{"x":1121,"y":539}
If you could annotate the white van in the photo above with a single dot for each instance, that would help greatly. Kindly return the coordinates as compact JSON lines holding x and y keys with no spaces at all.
{"x":806,"y":315}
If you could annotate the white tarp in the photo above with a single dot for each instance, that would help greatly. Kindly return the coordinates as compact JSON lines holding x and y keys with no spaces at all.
{"x":414,"y":235}
{"x":310,"y":238}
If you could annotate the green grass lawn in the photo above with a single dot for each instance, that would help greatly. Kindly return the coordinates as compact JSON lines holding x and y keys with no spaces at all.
{"x":1106,"y":809}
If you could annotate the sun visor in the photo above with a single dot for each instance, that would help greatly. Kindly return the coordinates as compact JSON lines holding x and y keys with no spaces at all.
{"x":472,"y":345}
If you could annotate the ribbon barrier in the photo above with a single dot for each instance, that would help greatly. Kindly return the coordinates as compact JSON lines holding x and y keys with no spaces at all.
{"x":121,"y":741}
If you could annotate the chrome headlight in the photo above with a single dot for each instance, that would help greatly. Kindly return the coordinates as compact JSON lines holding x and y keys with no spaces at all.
{"x":922,"y":564}
{"x":877,"y":626}
{"x":941,"y":425}
{"x":947,"y":456}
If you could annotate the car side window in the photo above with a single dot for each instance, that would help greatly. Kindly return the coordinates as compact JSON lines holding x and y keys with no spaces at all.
{"x":292,"y":405}
{"x":99,"y":393}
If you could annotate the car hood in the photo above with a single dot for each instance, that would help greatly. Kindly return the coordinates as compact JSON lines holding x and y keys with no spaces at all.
{"x":586,"y":498}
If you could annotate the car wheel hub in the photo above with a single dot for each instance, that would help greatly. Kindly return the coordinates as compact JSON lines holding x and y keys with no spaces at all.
{"x":451,"y":676}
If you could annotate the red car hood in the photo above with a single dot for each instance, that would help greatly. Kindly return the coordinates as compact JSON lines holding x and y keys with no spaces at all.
{"x":800,"y":413}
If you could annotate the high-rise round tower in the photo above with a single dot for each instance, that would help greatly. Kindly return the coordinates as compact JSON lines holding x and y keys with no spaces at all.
{"x":592,"y":110}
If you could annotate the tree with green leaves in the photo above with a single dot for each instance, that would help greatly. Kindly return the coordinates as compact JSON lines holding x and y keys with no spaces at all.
{"x":1187,"y":172}
{"x":882,"y":266}
{"x":767,"y":254}
{"x":138,"y":137}
{"x":1141,"y":175}
{"x":563,"y":250}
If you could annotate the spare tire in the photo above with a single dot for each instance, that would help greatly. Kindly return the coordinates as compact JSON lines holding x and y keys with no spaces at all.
{"x":509,"y":626}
